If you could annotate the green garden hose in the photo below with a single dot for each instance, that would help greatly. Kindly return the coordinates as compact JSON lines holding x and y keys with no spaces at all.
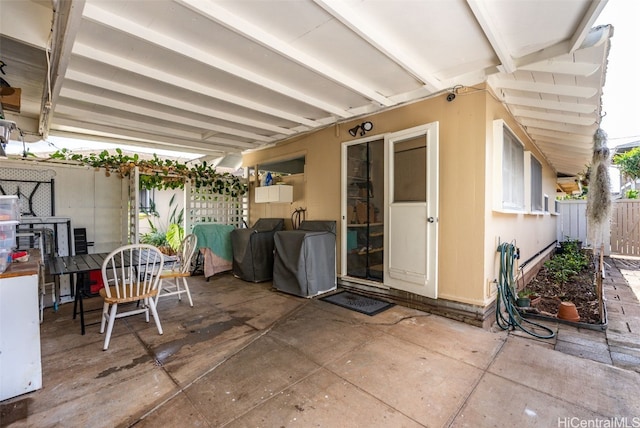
{"x":510,"y":318}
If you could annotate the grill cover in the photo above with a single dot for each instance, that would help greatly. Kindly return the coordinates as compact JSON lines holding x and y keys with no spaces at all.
{"x":305,"y":259}
{"x":253,"y":250}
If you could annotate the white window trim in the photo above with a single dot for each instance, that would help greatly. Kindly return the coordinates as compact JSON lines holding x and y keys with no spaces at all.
{"x":545,"y":203}
{"x":499,"y":126}
{"x":527,"y":185}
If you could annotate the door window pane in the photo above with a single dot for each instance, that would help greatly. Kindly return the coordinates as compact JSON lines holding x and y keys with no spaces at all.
{"x":410,"y":170}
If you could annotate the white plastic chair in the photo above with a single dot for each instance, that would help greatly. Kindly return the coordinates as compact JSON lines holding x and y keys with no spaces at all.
{"x":170,"y":279}
{"x":130,"y":274}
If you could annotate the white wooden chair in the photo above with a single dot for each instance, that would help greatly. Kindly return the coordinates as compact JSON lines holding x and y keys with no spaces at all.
{"x":130,"y":274}
{"x":170,"y":279}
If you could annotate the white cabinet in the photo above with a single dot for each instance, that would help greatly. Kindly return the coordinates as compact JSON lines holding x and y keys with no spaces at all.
{"x":20,"y":365}
{"x":275,"y":193}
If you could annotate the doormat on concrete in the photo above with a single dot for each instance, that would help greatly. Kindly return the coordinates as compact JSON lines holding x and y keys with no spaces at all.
{"x":358,"y":303}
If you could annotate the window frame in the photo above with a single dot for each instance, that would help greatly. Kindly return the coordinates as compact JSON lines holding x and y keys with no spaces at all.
{"x":147,"y":199}
{"x":533,"y":191}
{"x":502,"y":135}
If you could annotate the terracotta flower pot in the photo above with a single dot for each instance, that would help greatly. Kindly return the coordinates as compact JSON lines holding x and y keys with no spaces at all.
{"x":567,"y":311}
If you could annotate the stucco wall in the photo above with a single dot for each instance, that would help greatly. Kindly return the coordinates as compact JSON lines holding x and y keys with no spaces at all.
{"x":468,"y":229}
{"x":531,"y":233}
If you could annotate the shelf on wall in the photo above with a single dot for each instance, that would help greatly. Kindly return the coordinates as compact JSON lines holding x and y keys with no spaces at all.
{"x":278,"y":193}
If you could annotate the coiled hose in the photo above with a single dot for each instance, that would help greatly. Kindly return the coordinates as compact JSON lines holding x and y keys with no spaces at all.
{"x":510,"y":318}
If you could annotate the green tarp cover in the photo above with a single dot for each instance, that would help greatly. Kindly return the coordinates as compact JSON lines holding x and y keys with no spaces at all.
{"x":216,"y":237}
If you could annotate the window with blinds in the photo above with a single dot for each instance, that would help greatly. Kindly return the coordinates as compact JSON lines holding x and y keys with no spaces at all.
{"x":536,"y":184}
{"x":512,"y":171}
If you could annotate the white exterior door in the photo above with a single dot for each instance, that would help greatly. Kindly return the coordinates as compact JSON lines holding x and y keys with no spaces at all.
{"x":411,"y":229}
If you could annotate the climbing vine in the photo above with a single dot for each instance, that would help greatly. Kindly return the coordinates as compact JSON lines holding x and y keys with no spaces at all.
{"x":160,"y":174}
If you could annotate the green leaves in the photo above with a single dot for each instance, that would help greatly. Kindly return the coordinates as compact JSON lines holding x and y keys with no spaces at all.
{"x":175,"y":235}
{"x":629,"y":163}
{"x":562,"y":267}
{"x":155,"y":238}
{"x":159,"y":173}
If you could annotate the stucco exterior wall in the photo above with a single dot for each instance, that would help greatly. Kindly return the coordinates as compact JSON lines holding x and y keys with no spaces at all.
{"x":531,"y":233}
{"x":468,"y":229}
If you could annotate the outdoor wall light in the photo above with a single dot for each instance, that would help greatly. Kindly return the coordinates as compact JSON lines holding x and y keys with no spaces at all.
{"x":453,"y":92}
{"x":364,"y":127}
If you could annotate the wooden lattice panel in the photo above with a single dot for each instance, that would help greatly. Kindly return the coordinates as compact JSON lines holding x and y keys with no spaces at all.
{"x":134,"y":206}
{"x":203,"y":206}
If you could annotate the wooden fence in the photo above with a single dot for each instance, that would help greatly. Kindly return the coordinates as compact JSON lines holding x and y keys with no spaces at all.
{"x":624,"y":225}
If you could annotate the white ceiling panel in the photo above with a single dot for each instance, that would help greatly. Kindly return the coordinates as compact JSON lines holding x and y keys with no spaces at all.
{"x":222,"y":76}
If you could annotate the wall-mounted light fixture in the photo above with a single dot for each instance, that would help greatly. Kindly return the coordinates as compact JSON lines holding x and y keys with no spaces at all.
{"x":453,"y":92}
{"x":364,"y":127}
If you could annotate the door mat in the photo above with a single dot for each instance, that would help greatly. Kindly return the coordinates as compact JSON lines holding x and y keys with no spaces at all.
{"x":358,"y":303}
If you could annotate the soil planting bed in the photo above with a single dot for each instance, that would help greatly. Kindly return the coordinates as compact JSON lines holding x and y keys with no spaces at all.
{"x":579,"y":289}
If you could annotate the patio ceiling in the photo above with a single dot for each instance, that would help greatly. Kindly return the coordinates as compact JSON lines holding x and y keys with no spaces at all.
{"x":222,"y":77}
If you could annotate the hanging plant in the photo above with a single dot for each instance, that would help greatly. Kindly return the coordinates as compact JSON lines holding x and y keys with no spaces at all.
{"x":160,"y":174}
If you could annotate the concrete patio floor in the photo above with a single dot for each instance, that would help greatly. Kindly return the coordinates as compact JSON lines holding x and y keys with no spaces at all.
{"x":246,"y":355}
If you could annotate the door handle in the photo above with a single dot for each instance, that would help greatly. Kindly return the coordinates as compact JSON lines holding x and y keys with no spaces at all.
{"x":431,"y":219}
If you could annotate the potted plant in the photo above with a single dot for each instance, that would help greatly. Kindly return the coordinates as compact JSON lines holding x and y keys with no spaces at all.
{"x":534,"y":298}
{"x":524,"y":298}
{"x":166,"y":239}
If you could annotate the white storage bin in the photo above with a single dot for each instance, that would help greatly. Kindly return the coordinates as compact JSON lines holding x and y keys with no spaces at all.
{"x":5,"y":259}
{"x":9,"y":208}
{"x":8,"y":234}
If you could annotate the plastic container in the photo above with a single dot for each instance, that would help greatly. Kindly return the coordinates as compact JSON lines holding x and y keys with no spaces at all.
{"x":8,"y":234}
{"x":5,"y":259}
{"x":9,"y":208}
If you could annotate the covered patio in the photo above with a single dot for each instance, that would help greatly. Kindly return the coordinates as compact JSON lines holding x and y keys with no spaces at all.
{"x":246,"y":355}
{"x":251,"y":82}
